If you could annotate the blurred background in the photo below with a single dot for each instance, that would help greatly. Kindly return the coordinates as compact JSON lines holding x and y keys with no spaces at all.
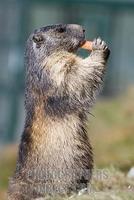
{"x":111,"y":128}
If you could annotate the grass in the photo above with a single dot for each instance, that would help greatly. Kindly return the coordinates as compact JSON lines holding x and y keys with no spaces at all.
{"x":111,"y":184}
{"x":111,"y":132}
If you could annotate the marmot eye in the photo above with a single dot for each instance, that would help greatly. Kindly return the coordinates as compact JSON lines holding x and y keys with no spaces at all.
{"x":61,"y":30}
{"x":83,"y":30}
{"x":38,"y":38}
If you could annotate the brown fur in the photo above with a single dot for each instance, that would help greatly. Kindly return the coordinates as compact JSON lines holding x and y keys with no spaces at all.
{"x":55,"y":156}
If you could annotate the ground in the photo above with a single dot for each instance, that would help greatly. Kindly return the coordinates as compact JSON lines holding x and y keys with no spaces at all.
{"x":111,"y":132}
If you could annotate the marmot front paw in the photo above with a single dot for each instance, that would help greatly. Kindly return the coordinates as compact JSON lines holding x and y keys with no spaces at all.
{"x":99,"y":44}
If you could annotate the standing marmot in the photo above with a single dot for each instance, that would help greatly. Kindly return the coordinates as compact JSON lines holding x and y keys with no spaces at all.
{"x":55,"y":156}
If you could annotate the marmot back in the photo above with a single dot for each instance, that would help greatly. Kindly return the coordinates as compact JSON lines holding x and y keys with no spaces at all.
{"x":55,"y":156}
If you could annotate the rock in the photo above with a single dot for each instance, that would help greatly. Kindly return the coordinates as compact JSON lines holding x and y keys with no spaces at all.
{"x":131,"y":173}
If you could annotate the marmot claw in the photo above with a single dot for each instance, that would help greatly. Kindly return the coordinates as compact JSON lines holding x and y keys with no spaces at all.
{"x":99,"y":44}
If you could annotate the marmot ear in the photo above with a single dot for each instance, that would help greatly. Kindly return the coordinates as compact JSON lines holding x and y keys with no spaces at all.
{"x":61,"y":29}
{"x":38,"y":39}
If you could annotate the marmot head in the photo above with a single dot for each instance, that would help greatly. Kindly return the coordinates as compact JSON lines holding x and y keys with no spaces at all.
{"x":49,"y":39}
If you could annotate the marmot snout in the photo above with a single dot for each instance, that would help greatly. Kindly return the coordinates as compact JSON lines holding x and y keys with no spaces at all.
{"x":55,"y":156}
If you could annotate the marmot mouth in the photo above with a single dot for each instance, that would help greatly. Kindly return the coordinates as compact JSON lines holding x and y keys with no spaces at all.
{"x":86,"y":45}
{"x":82,"y":43}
